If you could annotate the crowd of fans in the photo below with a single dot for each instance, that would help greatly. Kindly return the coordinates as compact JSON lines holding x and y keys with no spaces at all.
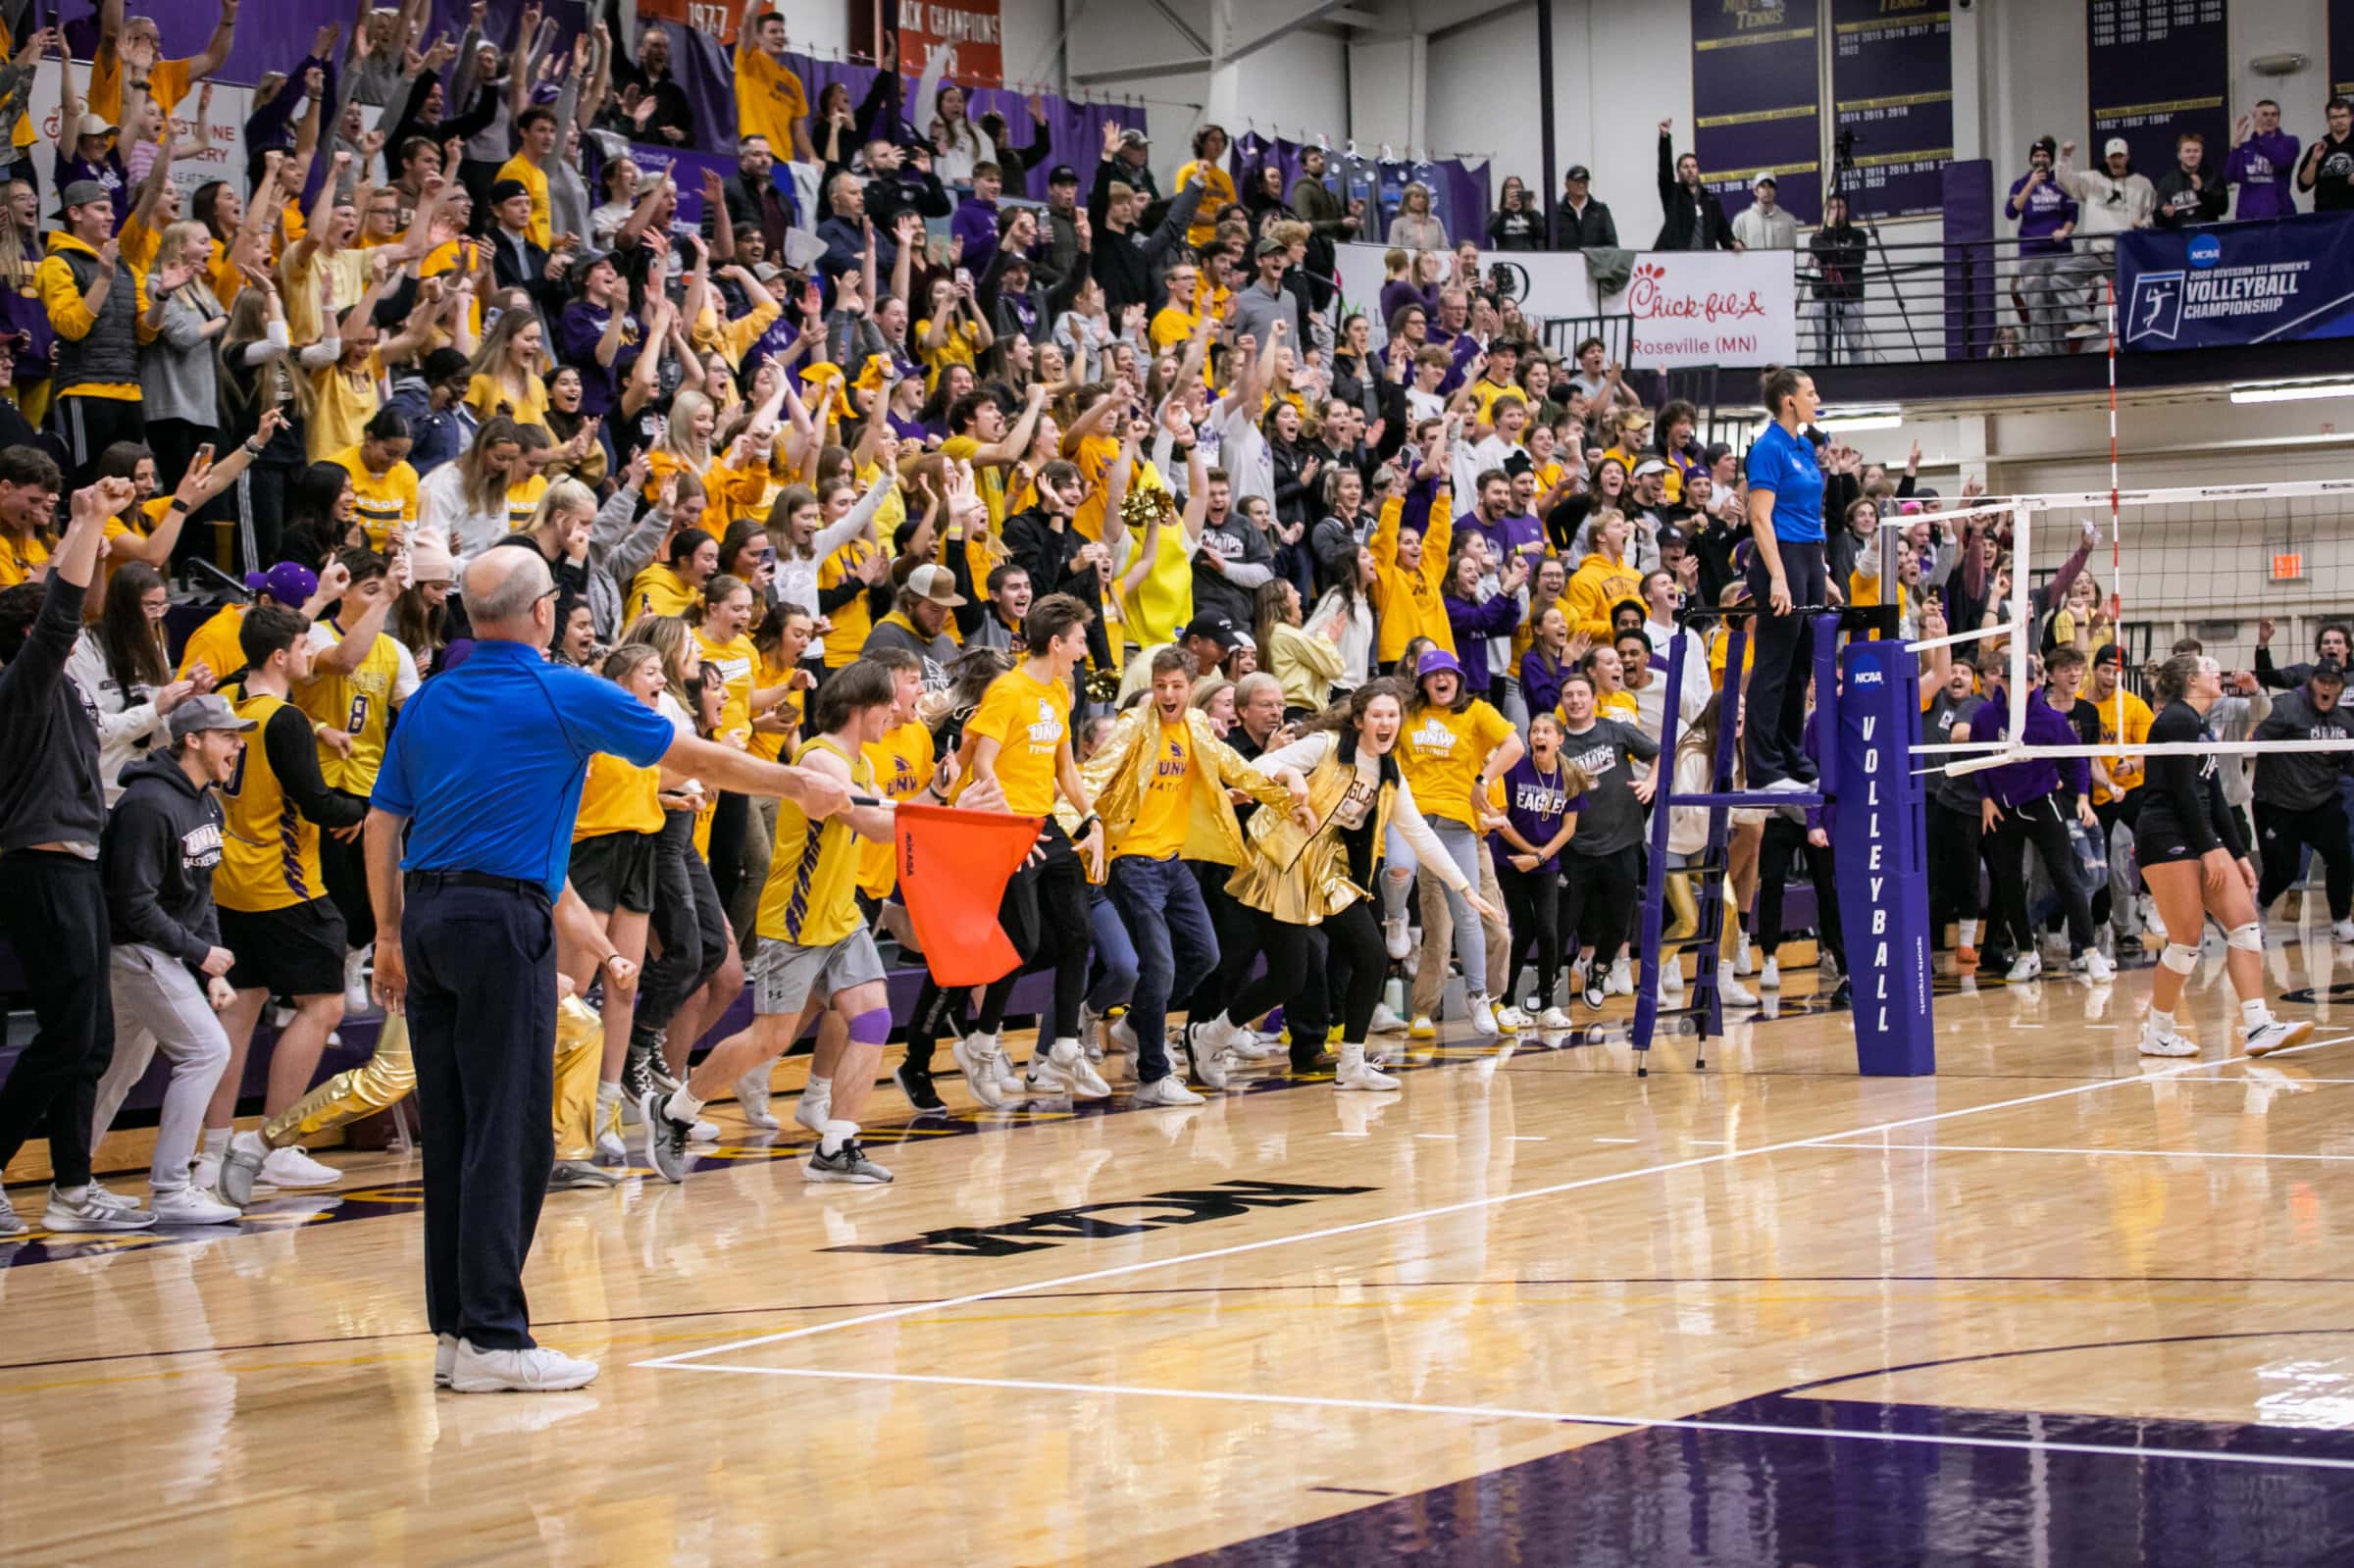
{"x":1354,"y":657}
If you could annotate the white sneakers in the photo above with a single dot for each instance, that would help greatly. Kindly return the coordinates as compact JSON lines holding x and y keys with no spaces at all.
{"x":2156,"y":1041}
{"x":1395,"y":938}
{"x":1386,"y":1021}
{"x":185,"y":1205}
{"x":2276,"y":1033}
{"x":751,"y":1097}
{"x":2343,"y":930}
{"x":1353,"y":1074}
{"x":1483,"y":1015}
{"x":1672,"y":976}
{"x":1770,"y":975}
{"x":1169,"y":1089}
{"x":92,"y":1208}
{"x":982,"y":1062}
{"x":1623,"y":977}
{"x":1066,"y":1070}
{"x":291,"y":1167}
{"x":1210,"y":1045}
{"x":2055,"y":944}
{"x":538,"y":1370}
{"x":1731,"y":992}
{"x":2096,"y":966}
{"x":2027,"y":966}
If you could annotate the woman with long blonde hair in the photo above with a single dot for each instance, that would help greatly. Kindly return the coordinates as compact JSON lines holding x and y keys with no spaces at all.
{"x":465,"y":501}
{"x":509,"y":370}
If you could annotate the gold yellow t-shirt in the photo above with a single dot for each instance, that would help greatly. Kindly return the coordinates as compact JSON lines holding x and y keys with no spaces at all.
{"x":811,"y":897}
{"x":214,"y":644}
{"x":733,"y":660}
{"x":768,"y":99}
{"x":522,"y":500}
{"x":487,"y":397}
{"x":959,"y":345}
{"x":2137,"y":730}
{"x":20,"y":557}
{"x":618,"y":797}
{"x":384,"y":502}
{"x":360,"y":705}
{"x":659,"y":591}
{"x":343,"y":402}
{"x":903,"y":760}
{"x":1164,"y":809}
{"x":1030,"y":721}
{"x":167,"y":84}
{"x":1441,"y":754}
{"x":771,"y":744}
{"x":851,"y":621}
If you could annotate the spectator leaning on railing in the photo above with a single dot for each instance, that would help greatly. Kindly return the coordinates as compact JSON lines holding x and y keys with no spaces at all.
{"x":1581,"y":221}
{"x":2263,"y":156}
{"x":2109,"y":203}
{"x":1765,"y":225}
{"x":2046,"y":217}
{"x":2191,"y":194}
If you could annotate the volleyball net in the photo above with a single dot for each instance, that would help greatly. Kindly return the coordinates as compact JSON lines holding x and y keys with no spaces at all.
{"x":2252,"y":576}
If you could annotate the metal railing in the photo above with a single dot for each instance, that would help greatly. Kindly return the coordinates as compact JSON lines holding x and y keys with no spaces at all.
{"x":1939,"y":301}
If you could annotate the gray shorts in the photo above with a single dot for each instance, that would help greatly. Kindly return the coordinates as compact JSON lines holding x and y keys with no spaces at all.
{"x":786,"y":975}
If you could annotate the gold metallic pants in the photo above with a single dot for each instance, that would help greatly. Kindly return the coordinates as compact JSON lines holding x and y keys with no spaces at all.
{"x":388,"y":1078}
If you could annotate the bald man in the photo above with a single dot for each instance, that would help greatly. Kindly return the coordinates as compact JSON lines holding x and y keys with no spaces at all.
{"x":483,"y":776}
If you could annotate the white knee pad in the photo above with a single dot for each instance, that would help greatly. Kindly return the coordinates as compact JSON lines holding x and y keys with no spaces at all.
{"x":2179,"y":958}
{"x":2248,"y":937}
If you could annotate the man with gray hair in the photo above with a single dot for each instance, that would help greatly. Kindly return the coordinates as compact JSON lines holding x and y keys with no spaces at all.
{"x":466,"y":863}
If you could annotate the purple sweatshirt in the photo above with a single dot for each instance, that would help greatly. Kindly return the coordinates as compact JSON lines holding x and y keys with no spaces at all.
{"x":2040,"y":216}
{"x":2014,"y":783}
{"x":2261,"y":167}
{"x":578,"y":330}
{"x":1473,"y":625}
{"x":976,"y":223}
{"x":1535,"y":802}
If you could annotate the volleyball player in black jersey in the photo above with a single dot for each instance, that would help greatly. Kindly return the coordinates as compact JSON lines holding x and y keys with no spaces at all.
{"x":2196,"y":865}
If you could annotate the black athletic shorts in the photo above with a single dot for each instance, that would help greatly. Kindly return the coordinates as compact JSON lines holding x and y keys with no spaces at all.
{"x":2159,"y":840}
{"x":613,"y":871}
{"x":294,"y":951}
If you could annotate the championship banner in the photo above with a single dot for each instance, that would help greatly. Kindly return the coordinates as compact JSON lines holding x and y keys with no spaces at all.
{"x":2341,"y":49}
{"x":2237,"y":283}
{"x":1892,"y":87}
{"x":1880,"y":848}
{"x":1756,"y":101}
{"x":1709,"y":307}
{"x":2155,"y":68}
{"x":971,"y":28}
{"x":954,"y":866}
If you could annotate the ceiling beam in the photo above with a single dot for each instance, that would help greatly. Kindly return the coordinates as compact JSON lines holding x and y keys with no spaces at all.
{"x":1317,"y":12}
{"x":1185,"y":28}
{"x":1172,"y":68}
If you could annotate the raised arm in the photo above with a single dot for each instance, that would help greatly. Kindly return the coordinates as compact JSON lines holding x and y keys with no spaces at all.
{"x":214,"y":53}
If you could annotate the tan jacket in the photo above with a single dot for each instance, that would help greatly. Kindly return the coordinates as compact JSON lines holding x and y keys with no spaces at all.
{"x":1115,"y":778}
{"x":1301,"y":875}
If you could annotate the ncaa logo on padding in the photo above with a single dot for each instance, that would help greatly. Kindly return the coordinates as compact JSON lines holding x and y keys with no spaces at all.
{"x":2206,"y":250}
{"x":2157,"y":307}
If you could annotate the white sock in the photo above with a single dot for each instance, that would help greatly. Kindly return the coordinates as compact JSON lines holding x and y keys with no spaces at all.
{"x":683,"y":1106}
{"x":72,"y":1194}
{"x":2161,"y":1023}
{"x":2255,"y":1014}
{"x":216,"y":1143}
{"x":606,"y":1092}
{"x":1970,"y":932}
{"x":837,"y":1133}
{"x":822,"y":1088}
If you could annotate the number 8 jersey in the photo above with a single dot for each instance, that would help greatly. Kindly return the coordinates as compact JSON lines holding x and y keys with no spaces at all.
{"x":359,"y":704}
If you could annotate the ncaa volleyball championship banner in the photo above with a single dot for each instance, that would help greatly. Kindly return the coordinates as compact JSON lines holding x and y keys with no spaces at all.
{"x":2239,"y":283}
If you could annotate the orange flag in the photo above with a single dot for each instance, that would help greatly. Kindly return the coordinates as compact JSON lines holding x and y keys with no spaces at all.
{"x":954,"y":866}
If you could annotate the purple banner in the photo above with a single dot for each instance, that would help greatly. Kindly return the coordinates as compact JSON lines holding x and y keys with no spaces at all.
{"x":2155,"y":68}
{"x":1892,"y":85}
{"x":1968,"y":200}
{"x":1756,"y":101}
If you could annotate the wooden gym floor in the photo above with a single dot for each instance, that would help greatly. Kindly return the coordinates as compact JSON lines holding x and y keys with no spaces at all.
{"x":2058,"y":1305}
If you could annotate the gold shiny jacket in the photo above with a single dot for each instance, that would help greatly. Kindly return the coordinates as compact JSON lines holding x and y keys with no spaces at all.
{"x":1300,"y":875}
{"x":1115,"y":778}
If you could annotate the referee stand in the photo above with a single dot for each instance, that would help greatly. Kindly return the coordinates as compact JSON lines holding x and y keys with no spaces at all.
{"x":1866,"y":727}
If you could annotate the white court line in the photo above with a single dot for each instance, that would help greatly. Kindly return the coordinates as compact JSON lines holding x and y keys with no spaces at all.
{"x":1120,"y":1270}
{"x":1505,"y":1413}
{"x":2149,"y":1153}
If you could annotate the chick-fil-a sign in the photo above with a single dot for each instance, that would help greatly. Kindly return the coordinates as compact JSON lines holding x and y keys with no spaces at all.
{"x":1710,"y":308}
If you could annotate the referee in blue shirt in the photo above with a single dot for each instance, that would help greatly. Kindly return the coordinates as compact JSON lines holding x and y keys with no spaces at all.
{"x":1785,"y":518}
{"x":483,"y":775}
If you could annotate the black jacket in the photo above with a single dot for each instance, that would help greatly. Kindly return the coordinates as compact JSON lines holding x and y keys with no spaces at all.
{"x":1522,"y":229}
{"x":2300,"y":780}
{"x":530,"y":276}
{"x":1050,"y":555}
{"x":1838,"y":263}
{"x":2180,"y":206}
{"x":1127,"y":265}
{"x":160,"y":845}
{"x":1694,"y":219}
{"x":49,"y":791}
{"x":901,"y":190}
{"x":1592,"y":230}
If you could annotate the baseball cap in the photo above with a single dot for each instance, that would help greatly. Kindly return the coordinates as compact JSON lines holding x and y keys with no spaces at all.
{"x":2045,"y":145}
{"x":2114,"y":145}
{"x":937,"y":584}
{"x":1217,"y":628}
{"x":2108,"y":654}
{"x":2323,"y":669}
{"x":1765,"y":178}
{"x":1650,"y":464}
{"x":1578,"y":171}
{"x":290,"y":582}
{"x":1062,"y":175}
{"x":502,"y":190}
{"x":1133,"y":137}
{"x":94,"y":125}
{"x":207,"y":712}
{"x":81,"y":193}
{"x":1438,"y":660}
{"x":1271,"y":246}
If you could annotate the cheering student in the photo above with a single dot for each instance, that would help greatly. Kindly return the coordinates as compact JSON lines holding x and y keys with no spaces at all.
{"x":815,"y":952}
{"x":1603,"y":864}
{"x":1020,"y":741}
{"x":1309,"y":879}
{"x":2192,"y":857}
{"x":1160,"y":779}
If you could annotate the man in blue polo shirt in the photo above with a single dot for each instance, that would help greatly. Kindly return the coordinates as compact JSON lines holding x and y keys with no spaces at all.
{"x":1786,"y":577}
{"x":483,"y":775}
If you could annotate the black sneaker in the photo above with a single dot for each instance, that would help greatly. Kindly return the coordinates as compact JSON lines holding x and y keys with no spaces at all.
{"x":665,"y":1137}
{"x":1844,"y":994}
{"x":1597,"y":992}
{"x":916,"y":1084}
